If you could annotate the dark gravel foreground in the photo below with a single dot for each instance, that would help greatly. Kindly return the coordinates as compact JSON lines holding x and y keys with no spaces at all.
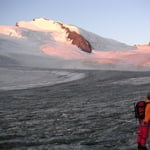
{"x":94,"y":113}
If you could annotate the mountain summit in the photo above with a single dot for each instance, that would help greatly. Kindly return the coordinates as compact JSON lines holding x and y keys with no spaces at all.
{"x":78,"y":36}
{"x":51,"y":44}
{"x":67,"y":33}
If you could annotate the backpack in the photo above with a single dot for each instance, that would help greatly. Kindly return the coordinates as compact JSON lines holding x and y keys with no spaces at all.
{"x":139,"y":109}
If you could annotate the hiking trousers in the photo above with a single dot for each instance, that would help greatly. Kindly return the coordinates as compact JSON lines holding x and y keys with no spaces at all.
{"x":143,"y":132}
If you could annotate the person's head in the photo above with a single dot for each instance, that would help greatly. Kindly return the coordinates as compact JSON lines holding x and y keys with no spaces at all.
{"x":148,"y":95}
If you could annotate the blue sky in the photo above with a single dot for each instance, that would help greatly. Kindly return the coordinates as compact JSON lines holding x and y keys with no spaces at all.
{"x":127,"y":21}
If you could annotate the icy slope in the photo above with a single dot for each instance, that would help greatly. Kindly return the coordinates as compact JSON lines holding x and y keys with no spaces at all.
{"x":104,"y":44}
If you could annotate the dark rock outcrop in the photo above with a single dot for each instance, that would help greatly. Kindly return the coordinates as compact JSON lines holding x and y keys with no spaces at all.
{"x":77,"y":39}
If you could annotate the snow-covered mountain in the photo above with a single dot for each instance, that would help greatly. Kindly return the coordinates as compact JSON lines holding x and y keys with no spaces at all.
{"x":46,"y":43}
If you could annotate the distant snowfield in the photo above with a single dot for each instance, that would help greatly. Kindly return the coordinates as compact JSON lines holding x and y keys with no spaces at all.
{"x":43,"y":44}
{"x":134,"y":81}
{"x":12,"y":79}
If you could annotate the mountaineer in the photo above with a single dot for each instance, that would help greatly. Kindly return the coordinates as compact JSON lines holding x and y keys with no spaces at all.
{"x":144,"y":124}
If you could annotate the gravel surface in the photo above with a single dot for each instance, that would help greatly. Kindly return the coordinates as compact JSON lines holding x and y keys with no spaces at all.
{"x":92,"y":113}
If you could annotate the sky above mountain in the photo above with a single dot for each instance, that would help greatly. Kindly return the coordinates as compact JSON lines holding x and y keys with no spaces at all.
{"x":127,"y":21}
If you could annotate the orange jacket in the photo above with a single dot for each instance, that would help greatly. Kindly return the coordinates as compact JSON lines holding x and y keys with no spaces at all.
{"x":147,"y":112}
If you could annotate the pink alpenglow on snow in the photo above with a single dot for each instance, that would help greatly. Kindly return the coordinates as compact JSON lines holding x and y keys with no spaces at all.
{"x":138,"y":57}
{"x":11,"y":31}
{"x":64,"y":50}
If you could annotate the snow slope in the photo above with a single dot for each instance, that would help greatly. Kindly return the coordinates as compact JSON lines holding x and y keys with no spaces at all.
{"x":97,"y":42}
{"x":43,"y":43}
